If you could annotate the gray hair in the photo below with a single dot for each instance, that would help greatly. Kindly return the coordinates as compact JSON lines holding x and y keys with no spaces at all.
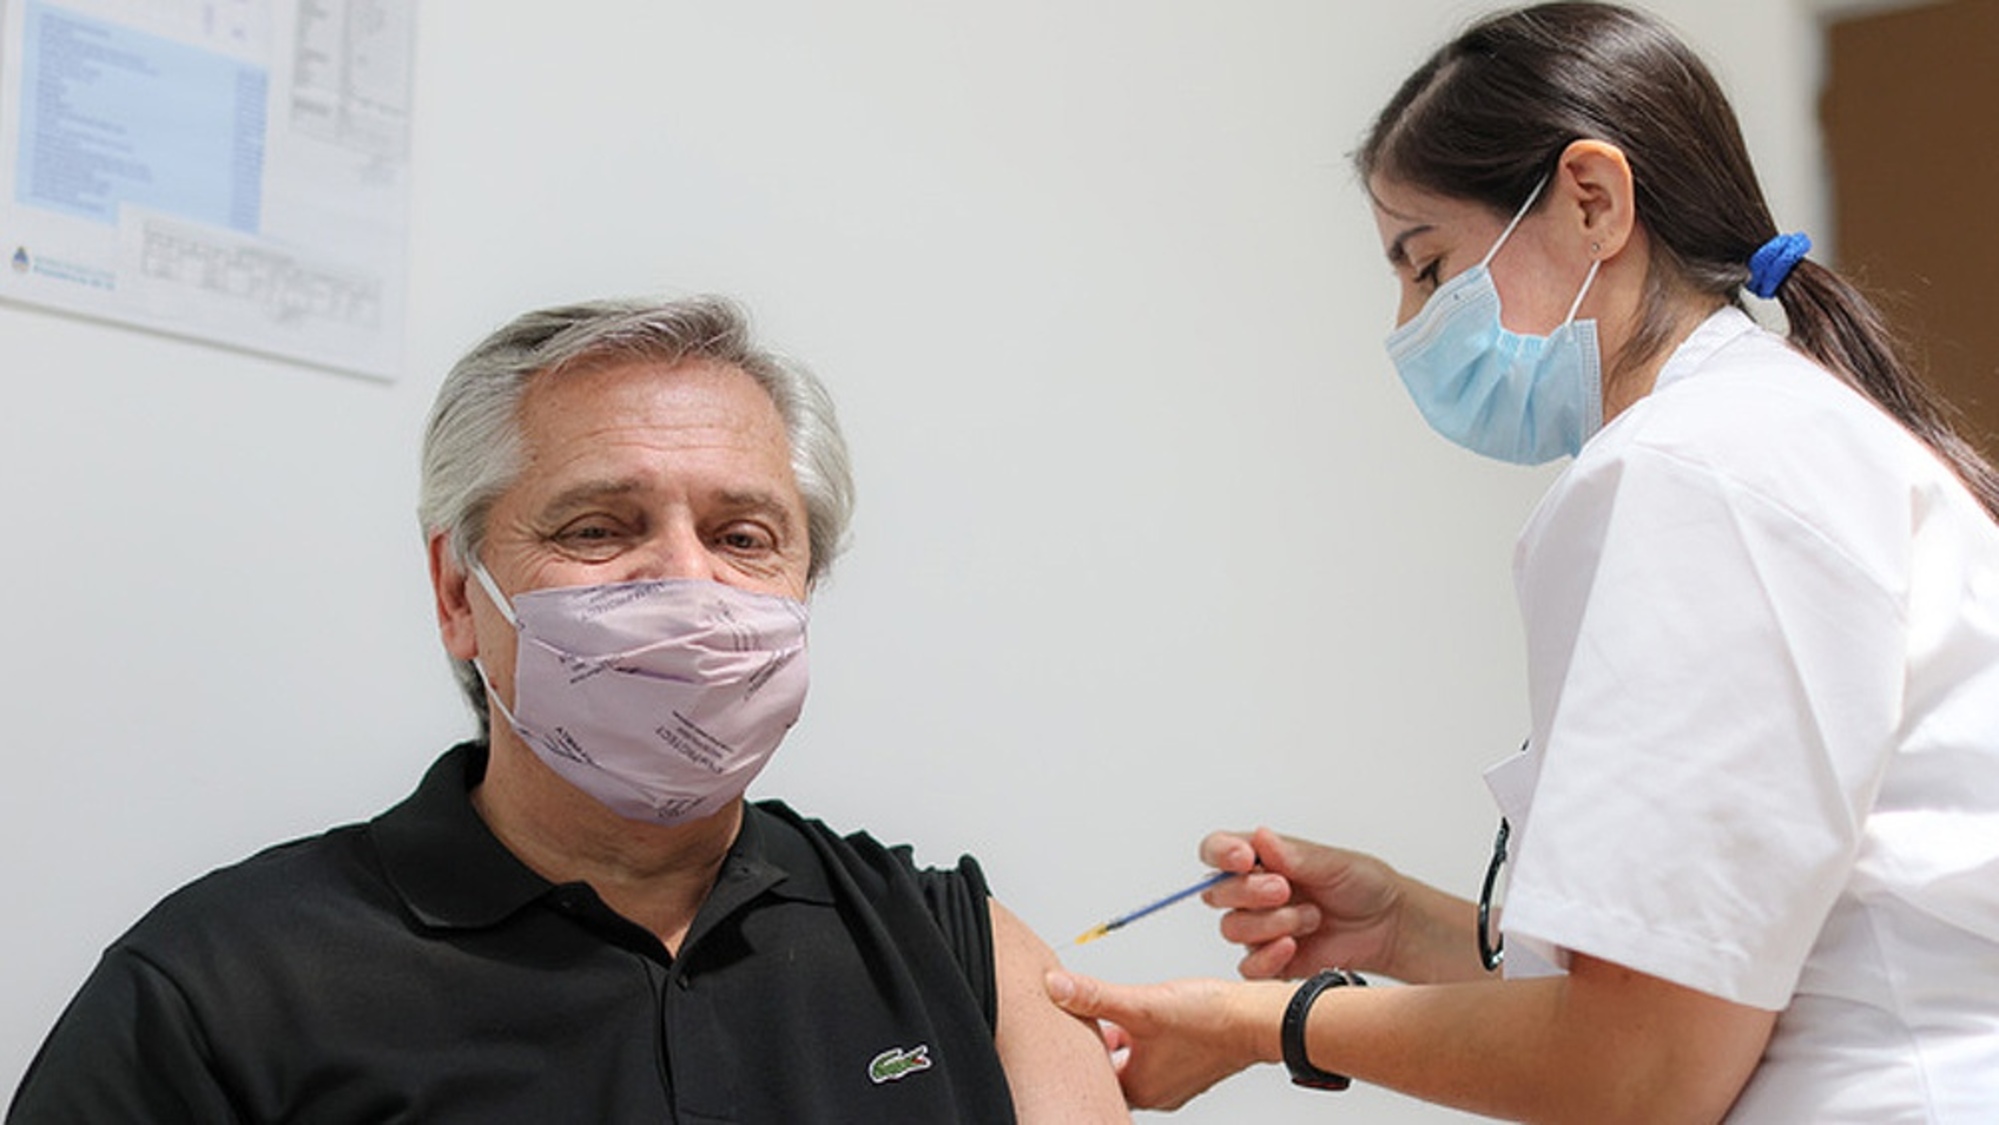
{"x":472,"y":443}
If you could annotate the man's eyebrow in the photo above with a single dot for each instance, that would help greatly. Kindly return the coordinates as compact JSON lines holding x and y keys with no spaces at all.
{"x":1398,"y":252}
{"x":587,"y":492}
{"x":762,"y":501}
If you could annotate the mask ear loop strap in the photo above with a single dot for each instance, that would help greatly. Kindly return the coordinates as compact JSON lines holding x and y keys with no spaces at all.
{"x":500,"y":601}
{"x":507,"y":611}
{"x":1588,"y":280}
{"x":1594,"y":265}
{"x":1517,"y":216}
{"x":493,"y":697}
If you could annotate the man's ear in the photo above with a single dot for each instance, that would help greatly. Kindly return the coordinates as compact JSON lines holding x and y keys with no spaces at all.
{"x":1593,"y":188}
{"x":454,"y":607}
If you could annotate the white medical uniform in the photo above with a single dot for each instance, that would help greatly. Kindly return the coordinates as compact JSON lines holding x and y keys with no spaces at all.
{"x":1763,"y":643}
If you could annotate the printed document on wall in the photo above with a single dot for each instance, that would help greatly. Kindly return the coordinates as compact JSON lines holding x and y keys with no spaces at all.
{"x":232,"y":171}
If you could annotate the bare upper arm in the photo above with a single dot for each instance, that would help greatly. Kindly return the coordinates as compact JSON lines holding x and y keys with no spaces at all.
{"x":1056,"y":1064}
{"x":1674,"y":1045}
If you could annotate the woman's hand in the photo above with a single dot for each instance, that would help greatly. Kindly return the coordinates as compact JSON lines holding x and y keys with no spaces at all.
{"x":1302,"y":907}
{"x":1172,"y":1041}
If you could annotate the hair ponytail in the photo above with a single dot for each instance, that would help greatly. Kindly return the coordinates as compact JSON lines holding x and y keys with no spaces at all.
{"x":1834,"y":324}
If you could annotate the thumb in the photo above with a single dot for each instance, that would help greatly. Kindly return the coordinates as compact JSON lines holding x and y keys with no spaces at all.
{"x":1310,"y":864}
{"x":1075,"y":994}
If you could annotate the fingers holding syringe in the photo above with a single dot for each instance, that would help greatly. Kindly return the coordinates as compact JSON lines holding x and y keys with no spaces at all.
{"x":1261,"y":914}
{"x":1234,"y":852}
{"x":1266,"y":865}
{"x":1255,"y":887}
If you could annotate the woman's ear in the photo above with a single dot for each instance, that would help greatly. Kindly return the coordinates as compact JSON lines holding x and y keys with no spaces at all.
{"x":1592,"y":188}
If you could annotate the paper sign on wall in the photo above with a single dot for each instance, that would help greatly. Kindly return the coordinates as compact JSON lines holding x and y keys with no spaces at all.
{"x":234,"y":171}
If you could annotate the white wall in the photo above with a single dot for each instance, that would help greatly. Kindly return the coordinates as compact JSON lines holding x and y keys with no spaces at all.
{"x":1150,"y":541}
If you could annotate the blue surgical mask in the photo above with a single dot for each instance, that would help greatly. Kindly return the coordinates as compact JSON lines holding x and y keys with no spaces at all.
{"x":1524,"y":399}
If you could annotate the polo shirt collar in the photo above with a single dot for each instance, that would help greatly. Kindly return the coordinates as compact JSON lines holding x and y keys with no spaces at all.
{"x":449,"y":868}
{"x":453,"y":873}
{"x":770,"y":859}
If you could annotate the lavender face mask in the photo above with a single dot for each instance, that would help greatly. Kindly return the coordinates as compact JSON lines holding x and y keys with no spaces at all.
{"x":662,"y":698}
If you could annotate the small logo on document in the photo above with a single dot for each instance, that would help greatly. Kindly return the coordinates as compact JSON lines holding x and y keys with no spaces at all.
{"x":895,"y":1063}
{"x":21,"y":260}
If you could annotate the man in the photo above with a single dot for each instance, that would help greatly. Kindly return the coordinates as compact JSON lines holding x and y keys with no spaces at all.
{"x":579,"y":918}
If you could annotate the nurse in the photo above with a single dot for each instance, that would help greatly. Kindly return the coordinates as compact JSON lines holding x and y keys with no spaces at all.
{"x":1754,"y":834}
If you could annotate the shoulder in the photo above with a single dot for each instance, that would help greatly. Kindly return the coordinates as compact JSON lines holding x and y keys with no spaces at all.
{"x":860,"y":854}
{"x":1756,"y":433}
{"x":1754,"y":400}
{"x":338,"y":855}
{"x":954,"y":900}
{"x":274,"y":898}
{"x":944,"y":908}
{"x":214,"y":981}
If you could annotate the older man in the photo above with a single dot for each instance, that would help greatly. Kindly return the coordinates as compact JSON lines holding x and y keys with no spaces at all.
{"x":579,"y":918}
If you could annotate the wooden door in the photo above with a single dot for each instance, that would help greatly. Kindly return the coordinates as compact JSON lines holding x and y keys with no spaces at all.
{"x":1911,"y":114}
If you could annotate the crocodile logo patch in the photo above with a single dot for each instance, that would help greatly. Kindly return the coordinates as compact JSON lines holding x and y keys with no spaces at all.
{"x":895,"y":1063}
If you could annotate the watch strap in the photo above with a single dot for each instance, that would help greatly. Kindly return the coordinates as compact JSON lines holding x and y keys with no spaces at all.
{"x":1303,"y":1073}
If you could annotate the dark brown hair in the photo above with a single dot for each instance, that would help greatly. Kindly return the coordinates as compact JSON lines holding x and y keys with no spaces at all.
{"x":1488,"y":115}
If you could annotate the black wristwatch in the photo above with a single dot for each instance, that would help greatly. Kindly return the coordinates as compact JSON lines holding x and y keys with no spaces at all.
{"x":1303,"y":1073}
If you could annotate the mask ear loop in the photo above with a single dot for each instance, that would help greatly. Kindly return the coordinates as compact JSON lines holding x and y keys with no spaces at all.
{"x":493,"y":697}
{"x":506,"y":611}
{"x":1594,"y":265}
{"x":1592,"y":389}
{"x":500,"y":601}
{"x":1517,"y":216}
{"x":1588,"y":280}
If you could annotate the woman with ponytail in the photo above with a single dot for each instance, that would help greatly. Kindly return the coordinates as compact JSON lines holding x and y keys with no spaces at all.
{"x":1753,"y":839}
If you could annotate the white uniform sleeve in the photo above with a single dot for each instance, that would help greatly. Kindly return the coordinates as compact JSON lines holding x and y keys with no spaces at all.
{"x":1716,"y":679}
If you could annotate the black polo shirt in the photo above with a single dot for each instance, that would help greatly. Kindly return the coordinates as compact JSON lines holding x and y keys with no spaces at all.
{"x":412,"y":970}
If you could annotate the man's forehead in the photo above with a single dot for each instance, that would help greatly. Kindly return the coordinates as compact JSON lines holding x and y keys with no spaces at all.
{"x":609,"y":368}
{"x":638,"y":392}
{"x":623,"y":427}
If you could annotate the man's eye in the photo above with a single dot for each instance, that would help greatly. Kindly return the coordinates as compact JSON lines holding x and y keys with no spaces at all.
{"x":744,"y":538}
{"x":590,"y":537}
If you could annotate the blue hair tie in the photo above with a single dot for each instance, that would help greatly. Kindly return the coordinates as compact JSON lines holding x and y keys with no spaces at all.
{"x":1769,"y":266}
